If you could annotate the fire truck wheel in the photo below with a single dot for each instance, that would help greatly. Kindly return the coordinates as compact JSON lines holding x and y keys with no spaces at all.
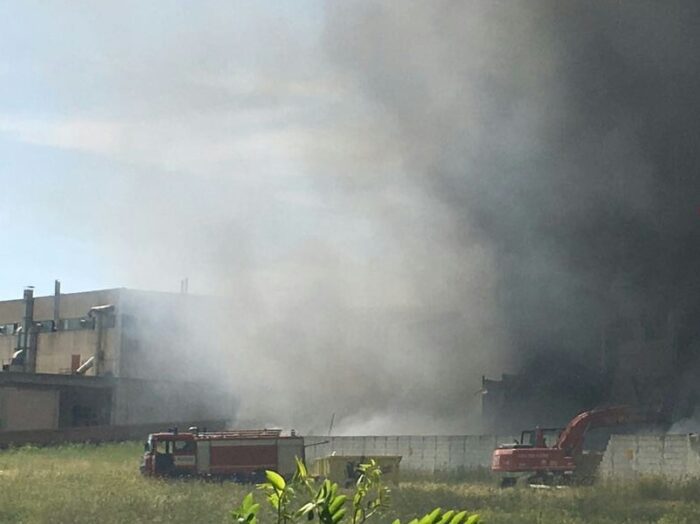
{"x":508,"y":482}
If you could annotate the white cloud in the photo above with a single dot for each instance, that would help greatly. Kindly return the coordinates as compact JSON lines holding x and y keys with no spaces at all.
{"x":83,"y":135}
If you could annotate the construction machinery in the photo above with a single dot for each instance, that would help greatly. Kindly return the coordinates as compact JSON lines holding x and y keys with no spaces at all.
{"x":556,"y":455}
{"x":241,"y":455}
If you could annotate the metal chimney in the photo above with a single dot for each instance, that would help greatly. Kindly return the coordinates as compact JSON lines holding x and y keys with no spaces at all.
{"x":26,"y":338}
{"x":56,"y":304}
{"x":98,"y":313}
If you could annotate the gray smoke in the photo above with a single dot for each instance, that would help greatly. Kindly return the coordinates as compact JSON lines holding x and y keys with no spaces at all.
{"x":229,"y":148}
{"x":429,"y":192}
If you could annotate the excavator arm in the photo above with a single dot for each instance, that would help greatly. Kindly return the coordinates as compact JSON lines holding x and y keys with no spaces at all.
{"x":571,"y":439}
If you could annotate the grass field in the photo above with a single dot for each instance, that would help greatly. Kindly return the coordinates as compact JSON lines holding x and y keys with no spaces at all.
{"x":86,"y":483}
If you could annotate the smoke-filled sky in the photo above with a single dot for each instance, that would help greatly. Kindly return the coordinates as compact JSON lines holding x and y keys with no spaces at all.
{"x":397,"y":196}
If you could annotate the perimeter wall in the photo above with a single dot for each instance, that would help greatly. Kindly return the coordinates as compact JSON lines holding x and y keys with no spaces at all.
{"x":421,"y":453}
{"x":626,"y":456}
{"x":633,"y":456}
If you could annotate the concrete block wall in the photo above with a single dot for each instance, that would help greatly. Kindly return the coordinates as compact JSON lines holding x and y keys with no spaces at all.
{"x":633,"y":456}
{"x":28,"y":408}
{"x":420,"y":453}
{"x":626,"y":456}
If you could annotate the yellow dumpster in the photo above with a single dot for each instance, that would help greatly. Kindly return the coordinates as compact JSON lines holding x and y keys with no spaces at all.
{"x":343,"y":468}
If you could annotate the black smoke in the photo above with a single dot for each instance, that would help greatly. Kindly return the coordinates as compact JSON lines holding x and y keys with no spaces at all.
{"x":563,"y":135}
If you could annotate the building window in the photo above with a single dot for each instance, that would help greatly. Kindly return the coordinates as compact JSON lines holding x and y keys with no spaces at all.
{"x":45,"y":326}
{"x":8,"y":329}
{"x":72,"y":324}
{"x":65,"y":324}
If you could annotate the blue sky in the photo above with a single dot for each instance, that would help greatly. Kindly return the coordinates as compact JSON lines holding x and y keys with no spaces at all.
{"x":124,"y":124}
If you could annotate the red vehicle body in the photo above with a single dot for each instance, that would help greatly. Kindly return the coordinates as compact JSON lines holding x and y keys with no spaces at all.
{"x":241,"y":455}
{"x":534,"y":458}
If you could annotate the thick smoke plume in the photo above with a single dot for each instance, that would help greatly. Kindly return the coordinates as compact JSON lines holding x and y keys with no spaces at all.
{"x":398,"y":198}
{"x":564,"y":134}
{"x":561,"y":135}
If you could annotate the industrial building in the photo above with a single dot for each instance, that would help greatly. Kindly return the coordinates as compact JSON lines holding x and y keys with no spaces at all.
{"x":648,"y":359}
{"x":107,"y":357}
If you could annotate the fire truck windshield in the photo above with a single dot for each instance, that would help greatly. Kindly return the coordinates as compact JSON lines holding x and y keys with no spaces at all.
{"x":184,"y":446}
{"x":158,"y":447}
{"x":161,"y":448}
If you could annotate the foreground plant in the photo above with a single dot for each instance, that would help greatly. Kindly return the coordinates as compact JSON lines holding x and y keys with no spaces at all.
{"x":304,"y":499}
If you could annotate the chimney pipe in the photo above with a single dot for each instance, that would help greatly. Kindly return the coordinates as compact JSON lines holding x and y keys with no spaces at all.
{"x":98,"y":313}
{"x":56,"y":304}
{"x":26,"y":340}
{"x":28,"y":306}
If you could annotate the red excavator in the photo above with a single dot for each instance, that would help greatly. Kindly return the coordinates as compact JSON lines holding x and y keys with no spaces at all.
{"x":563,"y":461}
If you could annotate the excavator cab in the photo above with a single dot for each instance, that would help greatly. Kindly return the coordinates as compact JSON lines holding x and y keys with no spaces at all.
{"x":540,"y":437}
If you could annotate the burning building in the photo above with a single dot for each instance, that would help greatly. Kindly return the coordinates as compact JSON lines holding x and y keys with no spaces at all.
{"x":562,"y":137}
{"x":647,"y":359}
{"x":107,"y":357}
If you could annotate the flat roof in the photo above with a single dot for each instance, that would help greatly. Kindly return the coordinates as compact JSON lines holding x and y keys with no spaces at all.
{"x":14,"y":378}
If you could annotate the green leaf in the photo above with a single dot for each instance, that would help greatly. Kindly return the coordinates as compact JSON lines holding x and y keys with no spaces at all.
{"x":338,"y":516}
{"x":274,"y":500}
{"x":430,"y":517}
{"x":327,"y":489}
{"x":302,"y":472}
{"x":445,"y":519}
{"x":337,"y":503}
{"x":459,"y":517}
{"x":276,"y":480}
{"x":247,"y":501}
{"x":474,"y":519}
{"x":306,"y":508}
{"x":357,"y":499}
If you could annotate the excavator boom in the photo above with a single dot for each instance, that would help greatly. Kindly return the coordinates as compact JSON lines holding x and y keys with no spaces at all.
{"x":571,"y":439}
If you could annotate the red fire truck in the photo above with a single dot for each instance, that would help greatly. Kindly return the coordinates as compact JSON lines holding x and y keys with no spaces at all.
{"x":242,"y":455}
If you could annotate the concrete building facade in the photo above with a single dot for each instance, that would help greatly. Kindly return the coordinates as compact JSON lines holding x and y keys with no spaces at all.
{"x":647,"y":359}
{"x":107,"y":357}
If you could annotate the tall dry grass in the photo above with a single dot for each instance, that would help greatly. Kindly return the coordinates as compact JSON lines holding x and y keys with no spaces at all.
{"x":90,"y":483}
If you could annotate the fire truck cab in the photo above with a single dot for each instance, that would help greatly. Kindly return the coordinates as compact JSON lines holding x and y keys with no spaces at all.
{"x":169,"y":453}
{"x":242,"y":455}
